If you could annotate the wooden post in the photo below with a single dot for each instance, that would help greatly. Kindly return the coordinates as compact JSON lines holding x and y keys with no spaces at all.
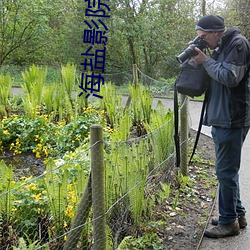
{"x":184,"y":135}
{"x":135,"y":74}
{"x":135,"y":81}
{"x":98,"y":195}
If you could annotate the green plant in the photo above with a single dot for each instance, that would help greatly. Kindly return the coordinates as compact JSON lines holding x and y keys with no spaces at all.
{"x":176,"y":199}
{"x":23,"y":134}
{"x":80,"y":102}
{"x":6,"y":184}
{"x":126,"y":172}
{"x":141,"y":104}
{"x":30,"y":208}
{"x":48,"y":97}
{"x":164,"y":191}
{"x":121,"y":131}
{"x":56,"y":187}
{"x":68,"y":74}
{"x":45,"y":138}
{"x":184,"y":181}
{"x":22,"y":245}
{"x":33,"y":86}
{"x":112,"y":108}
{"x":5,"y":89}
{"x":64,"y":184}
{"x":147,"y":241}
{"x":62,"y":106}
{"x":161,"y":128}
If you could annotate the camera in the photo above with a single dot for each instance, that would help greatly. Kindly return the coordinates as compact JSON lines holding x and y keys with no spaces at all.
{"x":190,"y":51}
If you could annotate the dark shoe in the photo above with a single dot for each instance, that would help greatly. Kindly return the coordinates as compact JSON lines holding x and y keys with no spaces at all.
{"x":221,"y":231}
{"x":241,"y":219}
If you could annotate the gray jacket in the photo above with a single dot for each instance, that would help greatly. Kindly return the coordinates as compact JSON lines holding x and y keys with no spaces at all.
{"x":228,"y":103}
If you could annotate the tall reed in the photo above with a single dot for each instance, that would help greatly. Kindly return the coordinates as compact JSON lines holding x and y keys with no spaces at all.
{"x":33,"y":86}
{"x":161,"y":132}
{"x":48,"y":97}
{"x":113,"y":108}
{"x":6,"y":184}
{"x":141,"y":105}
{"x":56,"y":184}
{"x":126,"y":172}
{"x":68,"y":74}
{"x":5,"y":90}
{"x":80,"y":102}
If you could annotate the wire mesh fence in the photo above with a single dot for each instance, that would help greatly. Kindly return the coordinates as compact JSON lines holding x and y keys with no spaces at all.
{"x":42,"y":209}
{"x":55,"y":210}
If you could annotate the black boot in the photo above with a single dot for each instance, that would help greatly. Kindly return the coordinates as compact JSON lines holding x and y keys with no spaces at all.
{"x":241,"y":219}
{"x":221,"y":231}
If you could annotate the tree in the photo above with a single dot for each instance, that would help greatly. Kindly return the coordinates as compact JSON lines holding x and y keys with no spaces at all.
{"x":237,"y":12}
{"x":21,"y":21}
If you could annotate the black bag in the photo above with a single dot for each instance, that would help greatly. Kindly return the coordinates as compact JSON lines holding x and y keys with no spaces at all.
{"x":192,"y":80}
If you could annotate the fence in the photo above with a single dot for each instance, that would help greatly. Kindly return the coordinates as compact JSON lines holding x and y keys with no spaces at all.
{"x":64,"y":208}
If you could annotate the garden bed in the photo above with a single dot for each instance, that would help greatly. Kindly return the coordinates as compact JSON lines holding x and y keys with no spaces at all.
{"x":185,"y":226}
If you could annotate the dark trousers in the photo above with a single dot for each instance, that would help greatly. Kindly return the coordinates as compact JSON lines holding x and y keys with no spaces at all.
{"x":228,"y":145}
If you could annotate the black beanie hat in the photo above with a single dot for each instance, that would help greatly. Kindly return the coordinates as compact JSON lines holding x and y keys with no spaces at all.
{"x":211,"y":23}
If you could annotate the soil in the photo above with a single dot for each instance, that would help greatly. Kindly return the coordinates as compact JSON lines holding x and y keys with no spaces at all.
{"x":186,"y":223}
{"x":25,"y":164}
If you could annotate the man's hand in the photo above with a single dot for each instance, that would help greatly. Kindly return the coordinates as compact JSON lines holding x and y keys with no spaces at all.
{"x":200,"y":58}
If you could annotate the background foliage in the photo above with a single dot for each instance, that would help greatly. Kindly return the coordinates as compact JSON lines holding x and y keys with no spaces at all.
{"x":149,"y":33}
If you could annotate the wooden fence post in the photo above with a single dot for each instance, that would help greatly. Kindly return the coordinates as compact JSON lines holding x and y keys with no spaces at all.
{"x":135,"y":81}
{"x":98,"y":194}
{"x":135,"y":74}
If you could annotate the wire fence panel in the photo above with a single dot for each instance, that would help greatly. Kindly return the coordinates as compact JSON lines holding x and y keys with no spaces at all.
{"x":42,"y":209}
{"x":56,"y":209}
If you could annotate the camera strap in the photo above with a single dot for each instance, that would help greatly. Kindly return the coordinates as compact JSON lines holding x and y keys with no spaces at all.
{"x":199,"y":127}
{"x":176,"y":127}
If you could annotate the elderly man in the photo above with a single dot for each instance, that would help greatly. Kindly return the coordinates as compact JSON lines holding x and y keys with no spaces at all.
{"x":228,"y":112}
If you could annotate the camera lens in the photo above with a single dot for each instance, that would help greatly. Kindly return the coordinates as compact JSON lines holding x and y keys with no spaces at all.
{"x":187,"y":53}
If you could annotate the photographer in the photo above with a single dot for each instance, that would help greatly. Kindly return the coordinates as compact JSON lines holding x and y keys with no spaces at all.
{"x":228,"y":112}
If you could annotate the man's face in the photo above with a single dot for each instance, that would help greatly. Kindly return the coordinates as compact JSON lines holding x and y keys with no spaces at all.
{"x":211,"y":38}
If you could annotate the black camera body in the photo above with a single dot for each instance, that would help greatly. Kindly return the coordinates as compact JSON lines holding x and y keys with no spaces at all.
{"x":190,"y":51}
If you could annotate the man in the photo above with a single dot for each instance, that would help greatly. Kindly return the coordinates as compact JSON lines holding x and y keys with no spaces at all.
{"x":228,"y":112}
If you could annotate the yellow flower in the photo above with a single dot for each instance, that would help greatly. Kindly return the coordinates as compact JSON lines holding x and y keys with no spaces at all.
{"x":45,"y":151}
{"x":69,"y":211}
{"x":31,"y":187}
{"x":16,"y":152}
{"x":37,"y":196}
{"x":73,"y":199}
{"x":6,"y":132}
{"x":38,"y":155}
{"x":14,"y":209}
